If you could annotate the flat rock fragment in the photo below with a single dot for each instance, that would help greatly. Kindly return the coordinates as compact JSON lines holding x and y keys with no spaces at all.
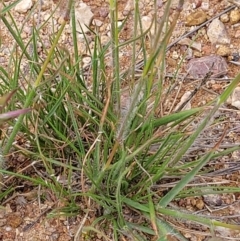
{"x":84,"y":17}
{"x":199,"y":67}
{"x":217,"y":33}
{"x":196,"y":18}
{"x":190,"y":43}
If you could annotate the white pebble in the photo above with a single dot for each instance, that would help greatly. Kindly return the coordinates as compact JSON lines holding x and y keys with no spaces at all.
{"x":23,"y":6}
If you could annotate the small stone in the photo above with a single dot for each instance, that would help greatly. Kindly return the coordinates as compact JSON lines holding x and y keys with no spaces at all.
{"x":175,"y":3}
{"x":172,"y":62}
{"x":237,"y":34}
{"x":234,"y":16}
{"x":234,"y":99}
{"x":217,"y":32}
{"x":61,"y":20}
{"x":104,"y":40}
{"x":199,"y":67}
{"x":190,"y":43}
{"x":119,"y":24}
{"x":97,"y":22}
{"x":159,"y":3}
{"x":197,"y":53}
{"x":46,"y":16}
{"x":46,"y":4}
{"x":196,"y":18}
{"x":189,"y":54}
{"x":120,"y":16}
{"x":175,"y":55}
{"x":223,"y":50}
{"x":86,"y":59}
{"x":224,"y":18}
{"x":146,"y":23}
{"x":14,"y":220}
{"x":212,"y":199}
{"x":103,"y":12}
{"x":27,"y":30}
{"x":205,"y":5}
{"x":23,"y":6}
{"x":236,"y":155}
{"x":84,"y":17}
{"x":235,"y":57}
{"x":21,"y":200}
{"x":8,"y":229}
{"x":183,"y":100}
{"x":200,"y":204}
{"x":23,"y":35}
{"x":128,"y":8}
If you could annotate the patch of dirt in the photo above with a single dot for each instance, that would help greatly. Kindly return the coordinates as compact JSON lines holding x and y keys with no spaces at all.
{"x":23,"y":216}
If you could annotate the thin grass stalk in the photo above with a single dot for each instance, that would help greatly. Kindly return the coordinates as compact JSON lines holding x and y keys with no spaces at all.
{"x":76,"y":129}
{"x":159,"y":55}
{"x":17,"y":65}
{"x":152,"y":214}
{"x":135,"y":27}
{"x":115,"y":54}
{"x":35,"y":56}
{"x":77,"y":58}
{"x":101,"y":125}
{"x":126,"y":118}
{"x":32,"y":93}
{"x":95,"y":69}
{"x":120,"y":176}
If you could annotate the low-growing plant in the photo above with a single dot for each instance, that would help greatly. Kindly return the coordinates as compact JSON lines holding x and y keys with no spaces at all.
{"x":96,"y":148}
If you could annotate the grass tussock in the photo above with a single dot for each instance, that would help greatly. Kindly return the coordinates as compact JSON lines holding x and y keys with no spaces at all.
{"x":101,"y":137}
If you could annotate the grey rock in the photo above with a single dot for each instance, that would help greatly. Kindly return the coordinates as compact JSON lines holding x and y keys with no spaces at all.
{"x":84,"y":17}
{"x":199,"y":67}
{"x":217,"y":33}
